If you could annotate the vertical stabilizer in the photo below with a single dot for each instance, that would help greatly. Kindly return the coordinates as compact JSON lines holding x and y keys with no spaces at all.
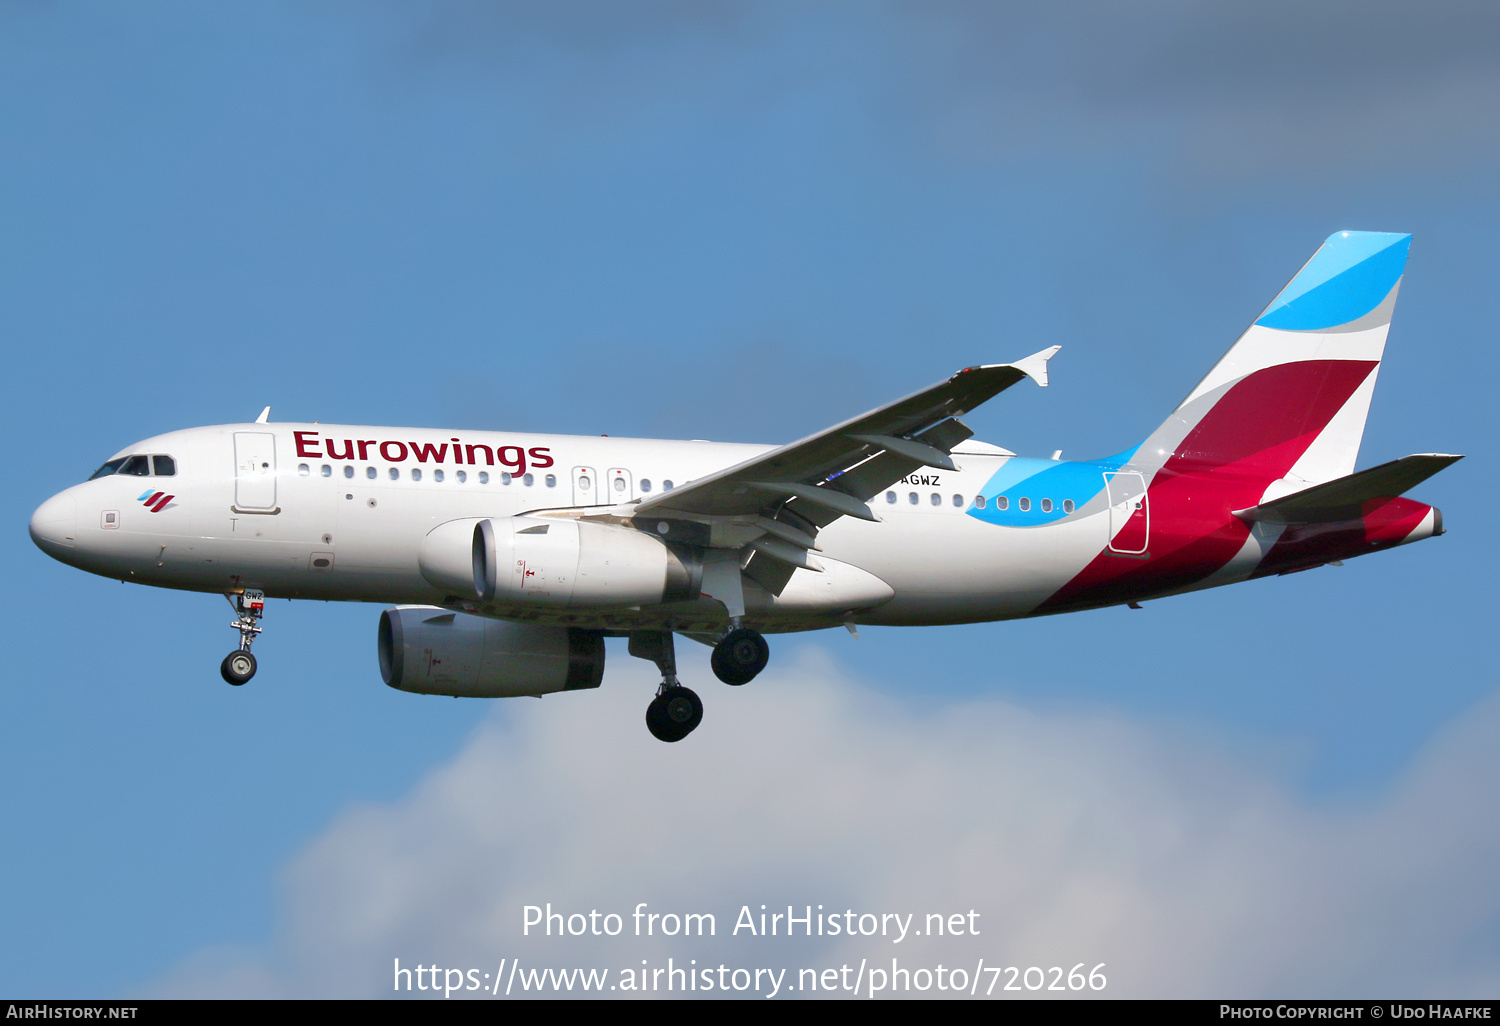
{"x":1287,"y":403}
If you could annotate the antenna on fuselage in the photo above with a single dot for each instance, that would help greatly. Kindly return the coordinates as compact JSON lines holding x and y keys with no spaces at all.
{"x":265,"y":415}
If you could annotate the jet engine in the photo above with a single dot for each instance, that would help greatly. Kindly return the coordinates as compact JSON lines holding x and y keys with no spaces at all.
{"x":432,"y":651}
{"x":557,"y":562}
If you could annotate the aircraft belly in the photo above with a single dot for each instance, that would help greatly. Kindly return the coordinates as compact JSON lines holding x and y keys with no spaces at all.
{"x":958,"y":569}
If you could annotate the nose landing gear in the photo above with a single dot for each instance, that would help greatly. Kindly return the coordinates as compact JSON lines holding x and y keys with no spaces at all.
{"x":239,"y":665}
{"x":675,"y":711}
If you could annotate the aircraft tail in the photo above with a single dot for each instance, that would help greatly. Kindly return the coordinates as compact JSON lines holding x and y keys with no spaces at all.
{"x":1253,"y":473}
{"x":1286,"y":405}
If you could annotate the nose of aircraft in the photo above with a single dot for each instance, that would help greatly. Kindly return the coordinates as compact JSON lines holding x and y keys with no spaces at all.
{"x":54,"y":524}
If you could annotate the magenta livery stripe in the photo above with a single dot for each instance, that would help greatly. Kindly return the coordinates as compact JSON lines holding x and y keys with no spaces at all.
{"x":162,"y":504}
{"x":154,"y":497}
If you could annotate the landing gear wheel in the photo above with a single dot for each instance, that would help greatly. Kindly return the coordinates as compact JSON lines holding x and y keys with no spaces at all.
{"x":739,"y":656}
{"x":673,"y":714}
{"x":237,"y":667}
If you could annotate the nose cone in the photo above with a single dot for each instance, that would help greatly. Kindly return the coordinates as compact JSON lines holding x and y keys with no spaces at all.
{"x":54,"y":525}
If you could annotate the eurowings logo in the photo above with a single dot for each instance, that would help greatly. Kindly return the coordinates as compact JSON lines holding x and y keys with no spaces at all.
{"x":156,"y":501}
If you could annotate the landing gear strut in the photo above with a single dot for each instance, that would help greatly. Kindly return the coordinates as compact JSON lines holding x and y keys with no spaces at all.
{"x":239,"y":665}
{"x":676,"y":710}
{"x":739,"y":656}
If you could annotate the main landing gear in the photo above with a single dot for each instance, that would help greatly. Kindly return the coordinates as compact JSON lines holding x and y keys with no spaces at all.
{"x":676,"y":711}
{"x":739,"y":656}
{"x":239,"y":665}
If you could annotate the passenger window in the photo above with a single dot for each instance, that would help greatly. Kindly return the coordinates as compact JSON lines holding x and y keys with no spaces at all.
{"x":370,"y":473}
{"x":1046,"y":505}
{"x":1067,"y":505}
{"x":437,"y":475}
{"x":666,"y":486}
{"x":327,"y":470}
{"x":484,"y":477}
{"x":1002,"y":502}
{"x":462,"y":475}
{"x":505,"y":478}
{"x":937,"y":500}
{"x":395,"y":473}
{"x":137,"y":466}
{"x":980,"y":502}
{"x":552,"y":481}
{"x":165,"y":466}
{"x":1025,"y":504}
{"x":348,"y":471}
{"x":416,"y":474}
{"x":109,"y":468}
{"x":912,"y":498}
{"x":890,"y":496}
{"x":645,"y":484}
{"x":619,"y":484}
{"x":528,"y":480}
{"x":303,"y":470}
{"x":958,"y":500}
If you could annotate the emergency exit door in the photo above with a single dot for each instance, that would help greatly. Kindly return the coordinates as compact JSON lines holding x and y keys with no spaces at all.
{"x":586,"y":487}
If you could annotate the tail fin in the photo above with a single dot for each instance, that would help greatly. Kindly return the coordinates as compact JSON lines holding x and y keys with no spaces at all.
{"x":1287,"y":404}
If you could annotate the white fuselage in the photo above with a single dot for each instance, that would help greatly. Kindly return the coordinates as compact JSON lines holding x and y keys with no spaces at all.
{"x":337,"y":512}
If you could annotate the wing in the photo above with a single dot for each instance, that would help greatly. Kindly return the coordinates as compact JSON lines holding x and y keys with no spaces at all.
{"x":777,"y":502}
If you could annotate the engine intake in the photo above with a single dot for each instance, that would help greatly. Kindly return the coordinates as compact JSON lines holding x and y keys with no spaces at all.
{"x":432,"y":651}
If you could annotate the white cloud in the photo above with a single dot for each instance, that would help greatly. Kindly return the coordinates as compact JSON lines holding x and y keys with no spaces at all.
{"x":1078,"y":838}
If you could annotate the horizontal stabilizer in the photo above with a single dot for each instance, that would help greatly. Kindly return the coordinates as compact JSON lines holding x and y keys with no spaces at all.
{"x":1348,"y":498}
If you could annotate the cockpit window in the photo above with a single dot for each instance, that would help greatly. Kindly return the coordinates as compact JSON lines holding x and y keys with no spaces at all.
{"x":138,"y":466}
{"x":109,"y":468}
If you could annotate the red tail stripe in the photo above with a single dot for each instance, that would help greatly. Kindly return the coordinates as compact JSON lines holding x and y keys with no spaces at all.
{"x":1252,"y":436}
{"x":1270,"y":407}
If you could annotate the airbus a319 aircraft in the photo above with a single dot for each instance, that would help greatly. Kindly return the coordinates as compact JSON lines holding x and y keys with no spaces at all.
{"x":508,"y":558}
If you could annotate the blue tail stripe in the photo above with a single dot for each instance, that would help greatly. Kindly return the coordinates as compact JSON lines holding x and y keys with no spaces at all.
{"x":1348,"y":277}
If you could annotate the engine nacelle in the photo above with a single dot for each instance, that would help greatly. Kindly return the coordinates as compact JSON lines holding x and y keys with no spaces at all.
{"x":432,"y":651}
{"x":557,"y":562}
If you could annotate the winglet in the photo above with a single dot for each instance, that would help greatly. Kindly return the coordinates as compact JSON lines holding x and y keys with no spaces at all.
{"x":265,"y":415}
{"x":1035,"y":365}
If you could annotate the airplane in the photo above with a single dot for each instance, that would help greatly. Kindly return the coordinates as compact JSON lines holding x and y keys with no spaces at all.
{"x":508,"y":558}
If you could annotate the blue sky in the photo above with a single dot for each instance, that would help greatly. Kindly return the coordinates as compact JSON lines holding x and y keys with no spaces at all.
{"x":729,"y":221}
